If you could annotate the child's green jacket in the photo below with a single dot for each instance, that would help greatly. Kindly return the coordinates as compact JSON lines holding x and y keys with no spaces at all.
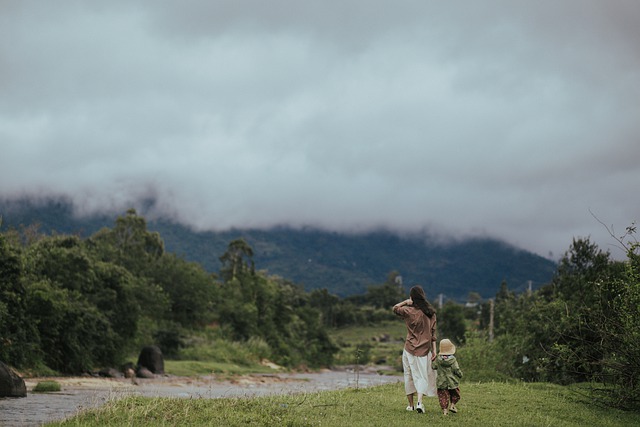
{"x":448,"y":372}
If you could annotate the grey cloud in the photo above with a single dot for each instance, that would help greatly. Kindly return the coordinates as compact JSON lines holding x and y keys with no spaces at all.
{"x":508,"y":119}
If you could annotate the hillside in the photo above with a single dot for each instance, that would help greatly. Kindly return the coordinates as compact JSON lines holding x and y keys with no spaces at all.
{"x":344,"y":264}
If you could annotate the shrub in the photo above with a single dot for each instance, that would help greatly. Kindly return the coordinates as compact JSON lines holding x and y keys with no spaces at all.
{"x":47,"y":387}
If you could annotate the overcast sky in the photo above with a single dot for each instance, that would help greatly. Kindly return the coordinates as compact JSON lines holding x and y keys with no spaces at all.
{"x":508,"y":119}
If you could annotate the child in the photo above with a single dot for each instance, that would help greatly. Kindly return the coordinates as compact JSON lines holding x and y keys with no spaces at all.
{"x":448,"y":373}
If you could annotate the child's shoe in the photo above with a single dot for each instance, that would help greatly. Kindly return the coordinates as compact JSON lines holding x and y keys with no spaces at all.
{"x":410,"y":408}
{"x":453,"y":409}
{"x":420,"y":408}
{"x":445,"y":412}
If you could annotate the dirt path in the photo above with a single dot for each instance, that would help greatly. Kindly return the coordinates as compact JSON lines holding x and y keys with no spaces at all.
{"x":80,"y":393}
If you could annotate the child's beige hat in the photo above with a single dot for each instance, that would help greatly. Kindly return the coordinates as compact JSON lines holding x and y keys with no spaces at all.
{"x":447,"y":347}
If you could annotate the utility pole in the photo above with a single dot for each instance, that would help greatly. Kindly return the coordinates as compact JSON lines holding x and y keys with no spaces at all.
{"x":529,"y":289}
{"x":440,"y":300}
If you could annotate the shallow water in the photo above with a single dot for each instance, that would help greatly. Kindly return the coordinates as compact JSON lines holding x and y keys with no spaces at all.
{"x":39,"y":408}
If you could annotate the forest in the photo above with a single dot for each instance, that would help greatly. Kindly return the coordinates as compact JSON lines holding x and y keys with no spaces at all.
{"x":73,"y":305}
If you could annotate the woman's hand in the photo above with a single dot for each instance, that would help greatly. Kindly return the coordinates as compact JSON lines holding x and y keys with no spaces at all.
{"x":403,"y":303}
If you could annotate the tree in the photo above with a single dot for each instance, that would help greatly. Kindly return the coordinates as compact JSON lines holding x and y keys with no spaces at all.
{"x":75,"y":336}
{"x":504,"y":310}
{"x":387,"y":294}
{"x":67,"y":282}
{"x":474,"y":298}
{"x":580,"y":267}
{"x":327,"y":303}
{"x":237,"y":260}
{"x":574,"y":340}
{"x":583,"y":326}
{"x":18,"y":339}
{"x":129,"y":244}
{"x":254,"y":305}
{"x":191,"y":290}
{"x":239,"y":290}
{"x":619,"y":329}
{"x":451,"y":322}
{"x":383,"y":296}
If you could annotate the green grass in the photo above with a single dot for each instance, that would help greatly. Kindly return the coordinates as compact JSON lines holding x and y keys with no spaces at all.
{"x":360,"y":340}
{"x":482,"y":404}
{"x":47,"y":387}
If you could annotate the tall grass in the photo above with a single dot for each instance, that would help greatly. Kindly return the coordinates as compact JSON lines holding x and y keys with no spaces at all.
{"x":482,"y":404}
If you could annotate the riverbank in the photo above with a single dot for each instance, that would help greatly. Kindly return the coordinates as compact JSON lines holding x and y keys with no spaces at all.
{"x":80,"y":393}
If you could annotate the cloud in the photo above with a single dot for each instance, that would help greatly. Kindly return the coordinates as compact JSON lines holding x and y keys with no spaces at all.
{"x":505,"y":119}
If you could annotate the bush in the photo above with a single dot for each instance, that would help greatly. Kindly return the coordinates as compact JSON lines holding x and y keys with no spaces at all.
{"x":481,"y":360}
{"x":47,"y":387}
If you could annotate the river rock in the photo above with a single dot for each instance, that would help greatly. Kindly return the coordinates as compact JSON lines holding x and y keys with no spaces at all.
{"x":11,"y":385}
{"x":110,"y":373}
{"x":144,"y":373}
{"x":152,"y":359}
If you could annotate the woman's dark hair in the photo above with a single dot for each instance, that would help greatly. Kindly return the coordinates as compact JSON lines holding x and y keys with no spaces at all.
{"x":419,"y":299}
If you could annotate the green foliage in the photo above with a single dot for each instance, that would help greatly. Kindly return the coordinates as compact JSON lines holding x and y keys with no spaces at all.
{"x":377,"y":345}
{"x":583,"y":327}
{"x":18,"y":341}
{"x":485,"y":361}
{"x":130,"y":244}
{"x":328,"y":305}
{"x":85,"y":309}
{"x":189,"y":288}
{"x":271,"y":308}
{"x":387,"y":294}
{"x":620,"y":332}
{"x":451,"y":322}
{"x":74,"y":305}
{"x":209,"y":346}
{"x":74,"y":335}
{"x":372,"y":307}
{"x":47,"y":387}
{"x":237,"y":260}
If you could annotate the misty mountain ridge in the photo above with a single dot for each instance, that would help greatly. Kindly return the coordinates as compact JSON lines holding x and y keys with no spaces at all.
{"x":345,"y":264}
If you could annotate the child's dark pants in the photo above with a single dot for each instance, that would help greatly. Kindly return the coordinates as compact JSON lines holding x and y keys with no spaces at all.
{"x":444,"y":396}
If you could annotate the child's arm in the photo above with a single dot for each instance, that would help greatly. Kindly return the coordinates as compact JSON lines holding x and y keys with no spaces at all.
{"x":456,"y":370}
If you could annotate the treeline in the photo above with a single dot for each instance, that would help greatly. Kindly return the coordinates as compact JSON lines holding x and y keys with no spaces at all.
{"x":73,"y":305}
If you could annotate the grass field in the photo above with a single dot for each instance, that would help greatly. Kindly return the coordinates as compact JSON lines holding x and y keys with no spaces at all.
{"x":482,"y":404}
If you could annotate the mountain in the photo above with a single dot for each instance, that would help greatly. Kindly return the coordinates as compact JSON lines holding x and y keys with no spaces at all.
{"x":345,"y":264}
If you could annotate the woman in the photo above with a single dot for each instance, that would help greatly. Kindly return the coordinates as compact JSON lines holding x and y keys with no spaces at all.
{"x":419,"y":347}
